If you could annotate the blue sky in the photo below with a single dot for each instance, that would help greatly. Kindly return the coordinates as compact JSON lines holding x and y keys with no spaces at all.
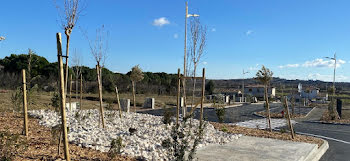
{"x":290,"y":37}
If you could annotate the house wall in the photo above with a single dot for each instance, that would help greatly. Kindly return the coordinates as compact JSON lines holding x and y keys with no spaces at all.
{"x":259,"y":91}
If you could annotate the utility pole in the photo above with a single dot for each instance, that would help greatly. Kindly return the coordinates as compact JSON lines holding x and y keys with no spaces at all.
{"x":243,"y":85}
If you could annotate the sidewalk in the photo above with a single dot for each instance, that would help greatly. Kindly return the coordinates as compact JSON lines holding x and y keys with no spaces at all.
{"x":314,"y":115}
{"x":249,"y":148}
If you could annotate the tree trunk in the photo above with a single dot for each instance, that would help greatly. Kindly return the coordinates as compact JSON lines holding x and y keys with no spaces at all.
{"x":134,"y":94}
{"x":70,"y":92}
{"x":268,"y":108}
{"x":81,"y":91}
{"x":293,"y":106}
{"x":120,"y":108}
{"x":288,"y":118}
{"x":100,"y":93}
{"x":194,"y":85}
{"x":67,"y":55}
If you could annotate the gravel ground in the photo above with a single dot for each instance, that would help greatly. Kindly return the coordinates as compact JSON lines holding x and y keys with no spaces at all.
{"x":262,"y":123}
{"x":232,"y":114}
{"x":85,"y":131}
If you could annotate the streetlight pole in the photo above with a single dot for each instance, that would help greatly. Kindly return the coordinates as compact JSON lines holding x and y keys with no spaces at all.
{"x":185,"y":55}
{"x":243,"y":85}
{"x":335,"y":66}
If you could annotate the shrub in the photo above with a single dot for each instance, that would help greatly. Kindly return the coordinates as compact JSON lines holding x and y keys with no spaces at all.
{"x":224,"y":129}
{"x":220,"y":113}
{"x":180,"y":138}
{"x":55,"y":101}
{"x":167,"y":115}
{"x":16,"y":99}
{"x":116,"y":146}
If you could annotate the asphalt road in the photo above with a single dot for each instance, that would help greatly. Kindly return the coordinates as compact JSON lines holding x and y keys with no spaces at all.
{"x":338,"y":137}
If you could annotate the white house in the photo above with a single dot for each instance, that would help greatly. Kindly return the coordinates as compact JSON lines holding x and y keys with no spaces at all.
{"x":258,"y":91}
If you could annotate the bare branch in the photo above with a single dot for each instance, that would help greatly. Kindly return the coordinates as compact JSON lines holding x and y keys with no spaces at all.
{"x":99,"y":47}
{"x":70,"y":13}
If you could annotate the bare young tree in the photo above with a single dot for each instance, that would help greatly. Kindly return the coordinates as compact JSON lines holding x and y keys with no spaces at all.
{"x":69,"y":14}
{"x":135,"y":76}
{"x":77,"y":67}
{"x":264,"y":75}
{"x":99,"y":49}
{"x":197,"y":45}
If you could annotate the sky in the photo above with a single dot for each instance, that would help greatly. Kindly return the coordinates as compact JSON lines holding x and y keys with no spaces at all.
{"x":290,"y":37}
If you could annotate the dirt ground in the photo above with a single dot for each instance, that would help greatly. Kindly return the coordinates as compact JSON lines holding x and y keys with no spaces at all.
{"x":39,"y":143}
{"x":266,"y":134}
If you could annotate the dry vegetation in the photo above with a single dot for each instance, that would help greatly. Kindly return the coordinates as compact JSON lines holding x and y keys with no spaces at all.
{"x":39,"y":143}
{"x":345,"y":117}
{"x":266,"y":134}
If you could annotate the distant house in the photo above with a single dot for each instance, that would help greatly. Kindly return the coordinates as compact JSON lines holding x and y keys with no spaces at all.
{"x":258,"y":91}
{"x":310,"y":93}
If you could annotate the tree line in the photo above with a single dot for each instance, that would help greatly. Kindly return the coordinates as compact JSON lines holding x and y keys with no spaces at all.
{"x":44,"y":74}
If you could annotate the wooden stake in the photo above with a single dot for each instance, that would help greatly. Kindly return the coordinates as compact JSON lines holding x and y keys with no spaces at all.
{"x":62,"y":96}
{"x":178,"y":97}
{"x":70,"y":92}
{"x":25,"y":115}
{"x":81,"y":91}
{"x":202,"y":99}
{"x":100,"y":93}
{"x":120,"y":107}
{"x":288,"y":118}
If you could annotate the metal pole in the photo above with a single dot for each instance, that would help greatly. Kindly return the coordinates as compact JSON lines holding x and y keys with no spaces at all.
{"x":185,"y":57}
{"x":25,"y":115}
{"x":335,"y":66}
{"x":62,"y":96}
{"x":243,"y":87}
{"x":178,"y":97}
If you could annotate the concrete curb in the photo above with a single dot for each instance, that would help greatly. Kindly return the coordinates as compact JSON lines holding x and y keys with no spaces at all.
{"x":317,"y":153}
{"x":309,"y":112}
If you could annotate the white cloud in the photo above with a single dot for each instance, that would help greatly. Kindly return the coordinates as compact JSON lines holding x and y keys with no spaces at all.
{"x":176,"y":36}
{"x":205,"y":63}
{"x":323,"y":63}
{"x":289,"y":66}
{"x":249,"y":32}
{"x":213,"y":29}
{"x":161,"y":22}
{"x":329,"y":78}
